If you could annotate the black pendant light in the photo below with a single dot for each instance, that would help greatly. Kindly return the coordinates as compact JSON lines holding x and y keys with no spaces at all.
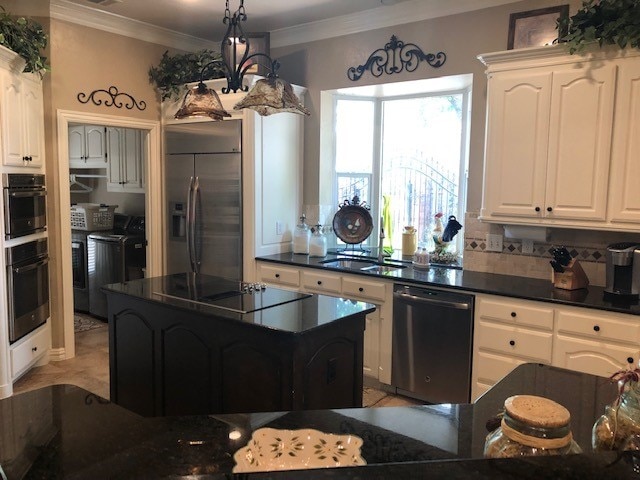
{"x":268,"y":96}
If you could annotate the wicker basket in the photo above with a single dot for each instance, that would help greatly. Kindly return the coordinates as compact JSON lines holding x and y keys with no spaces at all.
{"x":92,"y":216}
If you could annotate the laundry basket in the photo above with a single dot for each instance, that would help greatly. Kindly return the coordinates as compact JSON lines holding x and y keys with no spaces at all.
{"x":92,"y":216}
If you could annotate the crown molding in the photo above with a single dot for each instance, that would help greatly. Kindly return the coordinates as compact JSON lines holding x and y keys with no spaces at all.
{"x":109,"y":22}
{"x":380,"y":17}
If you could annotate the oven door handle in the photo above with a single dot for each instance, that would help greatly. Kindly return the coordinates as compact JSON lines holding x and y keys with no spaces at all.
{"x":38,"y":193}
{"x":31,"y":267}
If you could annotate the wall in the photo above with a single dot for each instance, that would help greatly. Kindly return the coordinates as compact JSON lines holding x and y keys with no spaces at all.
{"x":322,"y":65}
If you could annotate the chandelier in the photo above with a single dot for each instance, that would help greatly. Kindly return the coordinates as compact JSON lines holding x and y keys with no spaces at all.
{"x":268,"y":96}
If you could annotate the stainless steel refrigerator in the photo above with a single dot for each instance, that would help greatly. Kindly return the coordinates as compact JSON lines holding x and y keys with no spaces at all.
{"x":204,"y":194}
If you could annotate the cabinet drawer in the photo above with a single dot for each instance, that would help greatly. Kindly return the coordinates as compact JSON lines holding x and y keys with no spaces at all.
{"x":598,"y":326}
{"x":507,"y":339}
{"x":29,"y":349}
{"x":321,"y":282}
{"x":353,"y":287}
{"x":517,"y":313}
{"x":280,"y":275}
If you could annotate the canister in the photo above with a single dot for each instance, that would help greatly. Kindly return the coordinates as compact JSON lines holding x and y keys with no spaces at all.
{"x":409,"y":240}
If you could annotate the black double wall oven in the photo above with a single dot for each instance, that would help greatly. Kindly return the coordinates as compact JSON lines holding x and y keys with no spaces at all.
{"x":27,"y":269}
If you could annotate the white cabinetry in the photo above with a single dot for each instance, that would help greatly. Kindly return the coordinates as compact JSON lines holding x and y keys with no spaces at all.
{"x":22,"y":120}
{"x":125,"y":165}
{"x":378,"y":329}
{"x":87,"y":146}
{"x":30,"y":350}
{"x":599,"y":343}
{"x":552,"y":141}
{"x":508,"y":333}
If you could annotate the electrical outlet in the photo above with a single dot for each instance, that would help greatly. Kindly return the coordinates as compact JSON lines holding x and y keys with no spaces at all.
{"x":278,"y":228}
{"x":494,"y":242}
{"x":527,"y":246}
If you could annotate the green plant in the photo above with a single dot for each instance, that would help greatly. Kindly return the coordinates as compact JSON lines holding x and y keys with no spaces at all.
{"x":607,"y":22}
{"x":25,"y":37}
{"x":176,"y":70}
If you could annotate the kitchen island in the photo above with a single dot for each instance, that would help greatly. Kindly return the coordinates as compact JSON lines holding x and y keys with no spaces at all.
{"x":63,"y":431}
{"x":188,"y":344}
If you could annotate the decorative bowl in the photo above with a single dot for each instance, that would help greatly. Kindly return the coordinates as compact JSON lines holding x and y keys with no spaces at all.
{"x":271,"y":449}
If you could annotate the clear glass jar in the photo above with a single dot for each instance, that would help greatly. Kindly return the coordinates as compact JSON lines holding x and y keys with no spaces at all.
{"x":620,"y":423}
{"x":318,"y":242}
{"x":531,"y":426}
{"x":301,"y":236}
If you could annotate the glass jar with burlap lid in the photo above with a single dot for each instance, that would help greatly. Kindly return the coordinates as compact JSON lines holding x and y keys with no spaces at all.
{"x":531,"y":426}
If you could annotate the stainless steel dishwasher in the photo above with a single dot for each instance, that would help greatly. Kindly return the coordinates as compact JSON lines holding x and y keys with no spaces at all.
{"x":432,"y":344}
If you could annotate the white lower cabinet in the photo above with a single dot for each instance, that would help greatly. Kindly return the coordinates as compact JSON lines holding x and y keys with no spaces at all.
{"x":30,"y":350}
{"x":509,"y":332}
{"x":377,"y":335}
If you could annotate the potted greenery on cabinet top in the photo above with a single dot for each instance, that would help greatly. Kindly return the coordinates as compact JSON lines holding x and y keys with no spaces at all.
{"x":26,"y":38}
{"x":176,"y":70}
{"x":607,"y":22}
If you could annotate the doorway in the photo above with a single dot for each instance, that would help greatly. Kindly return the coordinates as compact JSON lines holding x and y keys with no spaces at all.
{"x":153,"y":209}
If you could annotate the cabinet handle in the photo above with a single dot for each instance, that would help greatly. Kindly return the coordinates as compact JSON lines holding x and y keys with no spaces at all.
{"x":513,"y":314}
{"x":361,"y":289}
{"x":34,"y":349}
{"x":512,"y":342}
{"x":630,"y":359}
{"x":277,"y":275}
{"x":596,"y":328}
{"x":549,"y":209}
{"x":319,"y":282}
{"x":537,"y":209}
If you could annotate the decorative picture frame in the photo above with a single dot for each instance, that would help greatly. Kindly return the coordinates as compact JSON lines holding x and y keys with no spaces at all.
{"x":535,"y":28}
{"x":258,"y":43}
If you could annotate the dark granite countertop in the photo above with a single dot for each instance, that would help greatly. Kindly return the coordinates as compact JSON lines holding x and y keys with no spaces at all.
{"x":63,"y":431}
{"x":185,"y":291}
{"x":470,"y":281}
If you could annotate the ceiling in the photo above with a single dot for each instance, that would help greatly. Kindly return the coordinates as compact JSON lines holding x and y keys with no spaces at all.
{"x":203,"y":18}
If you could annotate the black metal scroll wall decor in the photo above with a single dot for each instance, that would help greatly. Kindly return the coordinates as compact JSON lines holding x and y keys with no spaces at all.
{"x":395,"y":57}
{"x":112,"y":98}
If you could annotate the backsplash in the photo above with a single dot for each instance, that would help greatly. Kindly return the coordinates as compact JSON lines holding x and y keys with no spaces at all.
{"x":588,"y":246}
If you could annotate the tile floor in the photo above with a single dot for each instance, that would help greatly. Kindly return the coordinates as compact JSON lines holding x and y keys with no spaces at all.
{"x":89,"y":369}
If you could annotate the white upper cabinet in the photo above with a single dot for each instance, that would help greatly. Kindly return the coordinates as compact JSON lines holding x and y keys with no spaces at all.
{"x":87,"y":146}
{"x":22,"y":120}
{"x":125,"y":160}
{"x":559,"y":138}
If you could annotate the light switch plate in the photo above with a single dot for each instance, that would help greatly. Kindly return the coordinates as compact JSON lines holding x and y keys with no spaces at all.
{"x":494,"y":242}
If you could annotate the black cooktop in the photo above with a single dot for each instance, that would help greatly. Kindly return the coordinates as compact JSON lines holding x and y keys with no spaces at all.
{"x":232,"y":295}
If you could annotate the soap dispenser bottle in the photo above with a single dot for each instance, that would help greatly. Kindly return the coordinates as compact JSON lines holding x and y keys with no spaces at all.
{"x":301,"y":237}
{"x":318,"y":242}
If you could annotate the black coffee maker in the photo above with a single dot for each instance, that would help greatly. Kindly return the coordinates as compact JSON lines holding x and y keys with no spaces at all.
{"x":623,"y":270}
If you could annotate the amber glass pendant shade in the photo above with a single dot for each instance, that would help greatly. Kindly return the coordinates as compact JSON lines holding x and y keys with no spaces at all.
{"x":201,"y":101}
{"x":272,"y":95}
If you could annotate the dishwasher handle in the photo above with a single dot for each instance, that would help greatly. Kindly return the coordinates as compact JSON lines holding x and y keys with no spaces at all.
{"x":431,"y":301}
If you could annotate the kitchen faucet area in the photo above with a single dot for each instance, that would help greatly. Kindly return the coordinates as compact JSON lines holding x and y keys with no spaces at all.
{"x":323,"y":239}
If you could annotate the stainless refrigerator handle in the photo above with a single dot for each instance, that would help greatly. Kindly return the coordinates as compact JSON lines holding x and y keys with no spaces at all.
{"x":197,"y":247}
{"x":190,"y":224}
{"x":432,"y":301}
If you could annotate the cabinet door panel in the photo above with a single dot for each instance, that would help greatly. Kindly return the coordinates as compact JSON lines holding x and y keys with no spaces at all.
{"x":517,"y":132}
{"x":33,"y":122}
{"x":371,"y":358}
{"x":580,"y":142}
{"x":595,"y":358}
{"x":12,"y":130}
{"x":624,"y":198}
{"x":95,"y":146}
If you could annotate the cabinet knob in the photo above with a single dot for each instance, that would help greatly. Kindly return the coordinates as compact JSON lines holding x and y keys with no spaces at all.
{"x":513,"y":314}
{"x":277,"y":275}
{"x":319,"y":282}
{"x":596,"y":328}
{"x":537,"y":209}
{"x":34,"y":349}
{"x":549,"y":209}
{"x":512,"y":342}
{"x":630,"y":360}
{"x":361,"y":289}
